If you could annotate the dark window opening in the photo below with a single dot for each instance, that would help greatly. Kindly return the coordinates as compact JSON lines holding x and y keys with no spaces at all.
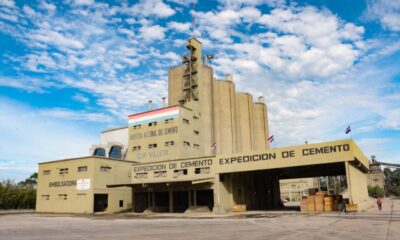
{"x":121,"y":203}
{"x":115,"y":152}
{"x":101,"y":152}
{"x":154,"y":145}
{"x":82,"y":169}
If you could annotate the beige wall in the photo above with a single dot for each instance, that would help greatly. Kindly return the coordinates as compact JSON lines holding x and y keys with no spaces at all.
{"x":357,"y":185}
{"x":81,"y":201}
{"x":260,"y":127}
{"x":244,"y":122}
{"x":225,"y":117}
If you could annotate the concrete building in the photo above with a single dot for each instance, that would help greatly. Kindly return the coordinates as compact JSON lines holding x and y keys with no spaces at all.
{"x":207,"y":149}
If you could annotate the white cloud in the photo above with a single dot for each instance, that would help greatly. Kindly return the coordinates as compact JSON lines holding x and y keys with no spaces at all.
{"x":80,"y":98}
{"x":67,"y":114}
{"x":20,"y":153}
{"x":7,"y":3}
{"x":391,"y":119}
{"x":149,"y":8}
{"x":83,"y":2}
{"x":153,"y":32}
{"x":55,"y":38}
{"x":387,"y":12}
{"x":180,"y":27}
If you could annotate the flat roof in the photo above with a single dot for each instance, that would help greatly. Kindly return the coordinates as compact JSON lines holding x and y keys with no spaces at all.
{"x":114,"y":129}
{"x":85,"y":157}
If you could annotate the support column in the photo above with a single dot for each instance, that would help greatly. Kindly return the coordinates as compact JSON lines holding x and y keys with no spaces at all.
{"x":195,"y":198}
{"x":171,"y":201}
{"x":190,"y":197}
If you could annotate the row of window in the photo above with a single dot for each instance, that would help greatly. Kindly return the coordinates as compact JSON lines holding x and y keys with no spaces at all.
{"x":63,"y":171}
{"x":65,"y":197}
{"x":177,"y":173}
{"x":186,"y":121}
{"x":169,"y":143}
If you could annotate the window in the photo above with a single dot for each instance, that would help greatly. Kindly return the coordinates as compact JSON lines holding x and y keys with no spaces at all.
{"x":160,"y":173}
{"x":185,"y":143}
{"x":141,"y":175}
{"x":154,"y":145}
{"x":45,"y":197}
{"x":82,"y":169}
{"x":121,"y":203}
{"x":203,"y":170}
{"x":105,"y":169}
{"x":46,"y":172}
{"x":180,"y":172}
{"x":169,"y":143}
{"x":196,"y":132}
{"x":115,"y":152}
{"x":168,"y":120}
{"x":62,"y":196}
{"x":101,"y":152}
{"x":136,"y":126}
{"x":185,"y":121}
{"x":63,"y":171}
{"x":153,"y":124}
{"x":196,"y":145}
{"x":136,"y":148}
{"x":195,"y":117}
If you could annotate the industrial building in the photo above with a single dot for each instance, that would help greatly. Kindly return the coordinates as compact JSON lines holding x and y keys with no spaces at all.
{"x":206,"y":149}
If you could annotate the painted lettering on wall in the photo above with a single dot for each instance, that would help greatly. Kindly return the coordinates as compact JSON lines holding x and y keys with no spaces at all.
{"x":62,"y":183}
{"x":154,"y":133}
{"x":173,"y":165}
{"x":152,"y":154}
{"x":285,"y":154}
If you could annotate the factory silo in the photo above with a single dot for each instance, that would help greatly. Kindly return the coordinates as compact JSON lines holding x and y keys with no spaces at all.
{"x":175,"y":85}
{"x":205,"y":94}
{"x":224,"y":116}
{"x":260,"y":125}
{"x":244,"y":122}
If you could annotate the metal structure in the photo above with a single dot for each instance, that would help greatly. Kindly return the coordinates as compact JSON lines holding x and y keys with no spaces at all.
{"x":190,"y":75}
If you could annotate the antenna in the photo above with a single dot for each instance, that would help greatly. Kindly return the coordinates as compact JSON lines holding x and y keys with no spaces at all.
{"x":193,"y":20}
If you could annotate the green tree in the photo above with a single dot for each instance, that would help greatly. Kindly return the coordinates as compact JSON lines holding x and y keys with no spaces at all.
{"x":18,"y":196}
{"x":376,"y":191}
{"x":392,"y":181}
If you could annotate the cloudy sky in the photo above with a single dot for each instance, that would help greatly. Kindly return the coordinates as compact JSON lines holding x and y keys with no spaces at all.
{"x":69,"y":69}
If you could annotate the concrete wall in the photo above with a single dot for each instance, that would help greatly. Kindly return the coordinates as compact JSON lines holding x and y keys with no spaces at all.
{"x":69,"y":199}
{"x":357,"y":185}
{"x":244,"y":122}
{"x":260,"y":127}
{"x":225,"y":117}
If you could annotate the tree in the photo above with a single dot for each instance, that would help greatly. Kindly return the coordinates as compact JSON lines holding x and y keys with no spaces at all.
{"x":18,"y":196}
{"x":392,"y":181}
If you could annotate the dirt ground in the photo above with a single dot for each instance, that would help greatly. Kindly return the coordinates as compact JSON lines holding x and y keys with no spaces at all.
{"x":372,"y":224}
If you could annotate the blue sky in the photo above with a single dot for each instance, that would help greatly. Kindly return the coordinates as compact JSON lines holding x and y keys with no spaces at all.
{"x":70,"y":69}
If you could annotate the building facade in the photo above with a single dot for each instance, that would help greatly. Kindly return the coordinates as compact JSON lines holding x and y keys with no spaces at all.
{"x":208,"y":148}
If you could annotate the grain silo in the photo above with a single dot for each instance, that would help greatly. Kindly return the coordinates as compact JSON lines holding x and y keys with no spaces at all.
{"x":260,"y":125}
{"x":224,"y":116}
{"x":244,"y":122}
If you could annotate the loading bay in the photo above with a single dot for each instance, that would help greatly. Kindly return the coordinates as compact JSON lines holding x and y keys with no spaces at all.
{"x":371,"y":224}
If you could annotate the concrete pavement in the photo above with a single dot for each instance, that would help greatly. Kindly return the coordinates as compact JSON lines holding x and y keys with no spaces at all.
{"x":372,"y":224}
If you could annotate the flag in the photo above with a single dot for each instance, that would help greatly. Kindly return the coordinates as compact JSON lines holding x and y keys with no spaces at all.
{"x":348,"y":129}
{"x":210,"y":56}
{"x":214,"y":146}
{"x":270,"y":139}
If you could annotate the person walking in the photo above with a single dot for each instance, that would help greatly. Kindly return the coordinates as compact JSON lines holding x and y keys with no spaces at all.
{"x":379,"y":203}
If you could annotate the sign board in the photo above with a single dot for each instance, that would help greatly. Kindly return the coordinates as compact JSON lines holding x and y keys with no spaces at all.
{"x":83,"y":184}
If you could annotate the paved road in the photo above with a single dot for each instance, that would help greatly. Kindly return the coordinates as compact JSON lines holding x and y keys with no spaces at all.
{"x":373,"y":224}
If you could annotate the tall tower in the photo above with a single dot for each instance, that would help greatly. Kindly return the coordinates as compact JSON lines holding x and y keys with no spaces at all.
{"x":190,"y":78}
{"x":191,"y":85}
